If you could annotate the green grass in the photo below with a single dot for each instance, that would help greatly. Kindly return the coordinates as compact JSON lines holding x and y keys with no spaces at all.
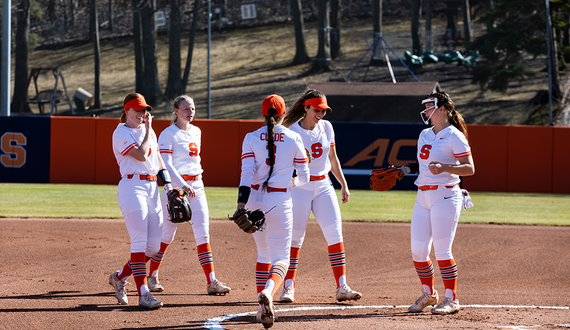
{"x":99,"y":201}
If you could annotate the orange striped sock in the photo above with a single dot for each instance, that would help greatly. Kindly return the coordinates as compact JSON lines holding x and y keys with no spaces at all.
{"x":277,"y":273}
{"x":338,"y":261}
{"x":425,"y":273}
{"x":156,"y":260}
{"x":293,"y":262}
{"x":261,"y":275}
{"x":138,"y":267}
{"x":206,"y":260}
{"x":448,"y":270}
{"x":127,"y":271}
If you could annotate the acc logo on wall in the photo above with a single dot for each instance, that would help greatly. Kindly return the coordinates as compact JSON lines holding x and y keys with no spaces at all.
{"x":13,"y":152}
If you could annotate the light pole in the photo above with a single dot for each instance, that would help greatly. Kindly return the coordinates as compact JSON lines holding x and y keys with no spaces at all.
{"x":6,"y":58}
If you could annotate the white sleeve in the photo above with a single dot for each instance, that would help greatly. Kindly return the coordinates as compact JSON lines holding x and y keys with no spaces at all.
{"x":301,"y":163}
{"x":177,"y":180}
{"x":247,"y":162}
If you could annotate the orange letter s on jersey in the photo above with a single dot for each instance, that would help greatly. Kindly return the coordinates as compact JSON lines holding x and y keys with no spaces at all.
{"x":424,"y":151}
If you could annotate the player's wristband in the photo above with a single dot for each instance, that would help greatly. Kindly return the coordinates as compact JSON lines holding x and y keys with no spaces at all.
{"x":243,"y":194}
{"x":164,"y":176}
{"x":414,"y":168}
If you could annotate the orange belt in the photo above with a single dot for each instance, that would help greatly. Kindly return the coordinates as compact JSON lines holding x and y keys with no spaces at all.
{"x":424,"y":188}
{"x":145,"y":177}
{"x":318,"y":177}
{"x":269,"y":189}
{"x":190,"y":177}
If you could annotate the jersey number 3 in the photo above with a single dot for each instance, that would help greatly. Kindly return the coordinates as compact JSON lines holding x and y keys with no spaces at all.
{"x":424,"y":151}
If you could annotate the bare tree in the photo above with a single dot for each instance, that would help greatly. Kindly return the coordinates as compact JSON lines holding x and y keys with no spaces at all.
{"x":94,"y":29}
{"x":21,"y":55}
{"x":173,"y":82}
{"x":137,"y":36}
{"x":416,"y":15}
{"x":110,"y":15}
{"x":196,"y":18}
{"x":301,"y":55}
{"x":147,"y":9}
{"x":323,"y":60}
{"x":335,"y":28}
{"x":51,"y":10}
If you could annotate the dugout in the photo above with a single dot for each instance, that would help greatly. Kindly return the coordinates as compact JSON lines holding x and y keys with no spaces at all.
{"x":378,"y":102}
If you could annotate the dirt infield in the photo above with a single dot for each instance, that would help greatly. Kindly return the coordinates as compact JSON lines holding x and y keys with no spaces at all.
{"x":55,"y":277}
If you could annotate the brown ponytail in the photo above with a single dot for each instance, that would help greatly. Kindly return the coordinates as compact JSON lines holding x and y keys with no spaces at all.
{"x":454,"y":117}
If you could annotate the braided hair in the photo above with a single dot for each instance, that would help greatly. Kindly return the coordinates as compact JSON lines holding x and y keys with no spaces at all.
{"x":270,"y":121}
{"x":297,"y":111}
{"x":454,"y":117}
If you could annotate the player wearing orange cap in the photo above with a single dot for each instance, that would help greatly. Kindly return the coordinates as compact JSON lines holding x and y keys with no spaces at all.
{"x":269,"y":156}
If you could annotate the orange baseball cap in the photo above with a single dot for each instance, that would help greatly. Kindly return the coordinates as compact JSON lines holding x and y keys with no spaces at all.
{"x":319,"y":103}
{"x":273,"y":102}
{"x":138,"y":105}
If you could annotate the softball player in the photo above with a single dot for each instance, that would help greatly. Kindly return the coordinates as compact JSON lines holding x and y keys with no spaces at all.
{"x":179,"y":146}
{"x":269,"y":156}
{"x":443,"y":155}
{"x":306,"y":118}
{"x":136,"y":150}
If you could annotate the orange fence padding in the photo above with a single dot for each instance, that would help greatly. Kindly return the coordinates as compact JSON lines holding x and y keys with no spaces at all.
{"x":507,"y":158}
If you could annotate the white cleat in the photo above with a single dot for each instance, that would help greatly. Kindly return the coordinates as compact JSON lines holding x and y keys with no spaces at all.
{"x":120,"y":290}
{"x":266,"y":303}
{"x":344,"y":293}
{"x":288,"y":294}
{"x":447,"y":306}
{"x":148,"y":301}
{"x":154,"y":284}
{"x":216,"y":287}
{"x":423,"y":301}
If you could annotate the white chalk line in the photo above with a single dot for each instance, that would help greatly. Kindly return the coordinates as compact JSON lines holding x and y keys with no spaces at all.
{"x":215,"y":323}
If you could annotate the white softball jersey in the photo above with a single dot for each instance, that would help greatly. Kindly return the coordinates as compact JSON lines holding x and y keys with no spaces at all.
{"x":289,"y":155}
{"x":444,"y":147}
{"x":318,"y":141}
{"x":183,"y":146}
{"x":124,"y":139}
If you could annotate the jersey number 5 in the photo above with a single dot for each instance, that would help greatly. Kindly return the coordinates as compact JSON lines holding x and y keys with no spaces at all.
{"x":424,"y":151}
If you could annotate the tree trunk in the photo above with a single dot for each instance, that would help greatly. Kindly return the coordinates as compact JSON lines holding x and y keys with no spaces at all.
{"x":452,"y":14}
{"x":377,"y":17}
{"x":416,"y":35}
{"x":173,"y":84}
{"x":111,"y":15}
{"x":51,"y":10}
{"x":21,"y":55}
{"x":467,"y":21}
{"x":195,"y":19}
{"x":566,"y":35}
{"x":94,"y":22}
{"x":301,"y":55}
{"x":323,"y":60}
{"x":139,"y":64}
{"x":335,"y":29}
{"x":72,"y":7}
{"x":148,"y":8}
